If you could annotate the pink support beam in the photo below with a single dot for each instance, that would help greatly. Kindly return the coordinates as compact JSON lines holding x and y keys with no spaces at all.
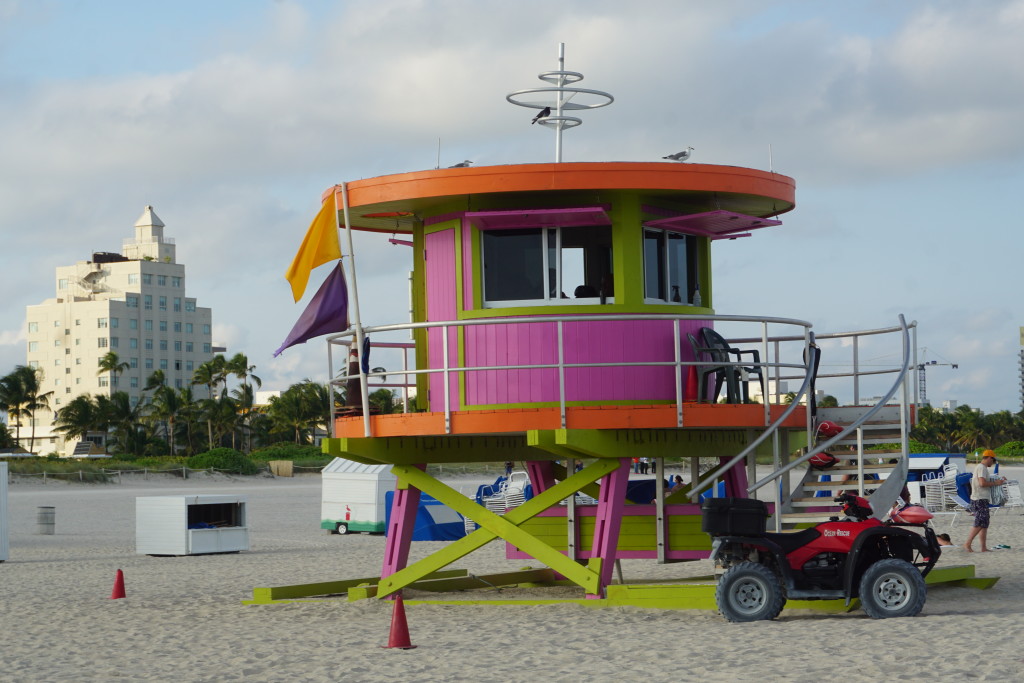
{"x":609,"y":520}
{"x":735,"y":480}
{"x":542,"y":475}
{"x":400,"y":528}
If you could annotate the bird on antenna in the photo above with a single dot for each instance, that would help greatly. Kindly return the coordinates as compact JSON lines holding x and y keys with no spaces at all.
{"x":464,"y":164}
{"x":680,"y":156}
{"x":544,"y":113}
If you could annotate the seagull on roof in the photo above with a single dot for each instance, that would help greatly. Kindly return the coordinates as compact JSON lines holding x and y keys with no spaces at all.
{"x":544,"y":113}
{"x":464,"y":164}
{"x":680,"y":156}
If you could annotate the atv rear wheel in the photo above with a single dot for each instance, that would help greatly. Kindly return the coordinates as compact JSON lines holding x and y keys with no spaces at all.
{"x":892,"y":588}
{"x":750,"y":592}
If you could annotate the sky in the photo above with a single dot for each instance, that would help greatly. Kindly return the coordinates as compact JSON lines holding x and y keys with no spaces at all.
{"x":900,"y":122}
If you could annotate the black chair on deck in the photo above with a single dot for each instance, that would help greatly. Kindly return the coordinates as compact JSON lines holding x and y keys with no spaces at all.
{"x":737,"y":390}
{"x":722,"y":372}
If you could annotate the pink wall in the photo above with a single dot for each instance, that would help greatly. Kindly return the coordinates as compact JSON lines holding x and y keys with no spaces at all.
{"x":441,"y":305}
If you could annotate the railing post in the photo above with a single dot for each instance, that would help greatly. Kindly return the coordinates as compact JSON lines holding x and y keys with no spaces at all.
{"x":856,"y":370}
{"x":764,"y":362}
{"x":677,"y":341}
{"x":561,"y":373}
{"x":444,"y":362}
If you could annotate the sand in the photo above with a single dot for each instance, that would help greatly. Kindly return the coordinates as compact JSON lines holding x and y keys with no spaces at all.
{"x":184,"y":620}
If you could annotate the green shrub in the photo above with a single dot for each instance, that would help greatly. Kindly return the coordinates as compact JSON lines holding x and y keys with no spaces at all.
{"x":226,"y":459}
{"x":1012,"y":448}
{"x":287,"y":451}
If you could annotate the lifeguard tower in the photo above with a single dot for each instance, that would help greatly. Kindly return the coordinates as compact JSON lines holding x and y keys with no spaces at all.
{"x":565,"y":312}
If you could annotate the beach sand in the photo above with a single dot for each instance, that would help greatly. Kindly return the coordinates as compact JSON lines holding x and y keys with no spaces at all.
{"x":183,"y":618}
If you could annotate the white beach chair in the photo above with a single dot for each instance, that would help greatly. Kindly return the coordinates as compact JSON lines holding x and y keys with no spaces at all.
{"x":1013,"y":497}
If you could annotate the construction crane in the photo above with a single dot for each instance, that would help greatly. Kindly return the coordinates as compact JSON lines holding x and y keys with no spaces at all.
{"x":922,"y":380}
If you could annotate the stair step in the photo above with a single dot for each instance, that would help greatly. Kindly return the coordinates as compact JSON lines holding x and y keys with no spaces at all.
{"x":813,"y":502}
{"x":804,"y":517}
{"x":848,"y":484}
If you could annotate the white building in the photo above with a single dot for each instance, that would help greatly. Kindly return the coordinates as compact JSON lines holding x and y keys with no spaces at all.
{"x":133,"y":304}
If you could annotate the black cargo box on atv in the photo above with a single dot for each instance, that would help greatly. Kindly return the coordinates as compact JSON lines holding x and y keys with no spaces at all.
{"x":733,"y":517}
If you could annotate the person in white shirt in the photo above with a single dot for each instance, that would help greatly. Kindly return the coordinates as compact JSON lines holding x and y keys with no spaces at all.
{"x":981,"y":494}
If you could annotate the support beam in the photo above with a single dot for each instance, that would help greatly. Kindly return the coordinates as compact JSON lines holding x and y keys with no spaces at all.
{"x":608,"y":522}
{"x":401,"y":526}
{"x":493,"y":526}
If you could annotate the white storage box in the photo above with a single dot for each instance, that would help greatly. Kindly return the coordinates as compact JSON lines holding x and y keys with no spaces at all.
{"x":190,"y":525}
{"x":352,"y":497}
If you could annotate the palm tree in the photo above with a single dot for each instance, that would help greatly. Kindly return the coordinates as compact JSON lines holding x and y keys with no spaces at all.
{"x":240,"y":368}
{"x":20,"y":396}
{"x":79,"y":417}
{"x":165,"y":407}
{"x":124,"y":421}
{"x":111,"y":363}
{"x":211,"y":373}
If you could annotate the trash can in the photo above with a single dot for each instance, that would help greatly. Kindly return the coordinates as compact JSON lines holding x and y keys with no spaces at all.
{"x":46,"y":516}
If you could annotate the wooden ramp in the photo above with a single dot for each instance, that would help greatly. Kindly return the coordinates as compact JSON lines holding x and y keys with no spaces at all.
{"x":696,"y":593}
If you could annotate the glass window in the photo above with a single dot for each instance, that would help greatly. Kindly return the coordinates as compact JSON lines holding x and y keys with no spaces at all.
{"x":189,"y":366}
{"x":56,"y":323}
{"x":33,"y":346}
{"x":104,"y":381}
{"x":133,"y":324}
{"x":149,"y":363}
{"x":552,"y":265}
{"x":56,"y":342}
{"x":188,"y":347}
{"x":132,"y":301}
{"x":33,"y":364}
{"x":149,"y":344}
{"x":33,"y":327}
{"x":133,"y":382}
{"x":147,"y":302}
{"x":148,"y":325}
{"x":133,"y":343}
{"x":175,"y":281}
{"x":207,"y":348}
{"x":177,"y":345}
{"x":102,"y":341}
{"x":56,"y":362}
{"x":114,"y":342}
{"x":177,"y":303}
{"x":62,"y":283}
{"x":177,"y":327}
{"x":163,"y":303}
{"x":163,"y":344}
{"x":190,"y":306}
{"x":161,"y":280}
{"x":133,"y":278}
{"x":113,"y":323}
{"x":670,"y":267}
{"x":188,"y":328}
{"x":78,"y":361}
{"x":206,"y":329}
{"x":101,"y":322}
{"x":163,"y":325}
{"x":147,"y":279}
{"x":163,"y":363}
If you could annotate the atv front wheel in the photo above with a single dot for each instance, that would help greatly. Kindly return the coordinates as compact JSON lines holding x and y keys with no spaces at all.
{"x":749,"y":592}
{"x":892,"y":588}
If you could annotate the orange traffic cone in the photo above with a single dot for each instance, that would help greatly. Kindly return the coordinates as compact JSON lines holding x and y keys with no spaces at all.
{"x":691,"y":384}
{"x":399,"y":637}
{"x":118,"y":591}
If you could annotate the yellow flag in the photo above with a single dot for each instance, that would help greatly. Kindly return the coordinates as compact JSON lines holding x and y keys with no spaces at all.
{"x":319,"y":246}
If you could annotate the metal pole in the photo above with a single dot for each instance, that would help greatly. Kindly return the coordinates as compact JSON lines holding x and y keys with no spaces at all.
{"x":358,"y":322}
{"x":558,"y":104}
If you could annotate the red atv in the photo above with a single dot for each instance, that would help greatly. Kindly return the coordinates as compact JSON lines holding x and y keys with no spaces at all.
{"x":856,"y":557}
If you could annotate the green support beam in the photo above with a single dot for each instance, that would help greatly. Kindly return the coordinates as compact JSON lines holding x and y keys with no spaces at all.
{"x":494,"y":526}
{"x":410,"y":450}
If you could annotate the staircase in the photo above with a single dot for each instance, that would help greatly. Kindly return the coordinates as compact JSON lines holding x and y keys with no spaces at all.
{"x":804,"y":507}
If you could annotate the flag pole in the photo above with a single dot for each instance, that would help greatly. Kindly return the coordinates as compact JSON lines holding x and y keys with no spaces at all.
{"x":357,"y":319}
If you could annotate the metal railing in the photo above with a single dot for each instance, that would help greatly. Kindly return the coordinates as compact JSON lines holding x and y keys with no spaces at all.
{"x":770,"y":359}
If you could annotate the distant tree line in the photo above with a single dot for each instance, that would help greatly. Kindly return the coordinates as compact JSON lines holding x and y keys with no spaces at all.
{"x":178,"y":421}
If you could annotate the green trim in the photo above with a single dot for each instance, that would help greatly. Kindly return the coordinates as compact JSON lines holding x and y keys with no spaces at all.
{"x":555,"y":404}
{"x":353,"y":525}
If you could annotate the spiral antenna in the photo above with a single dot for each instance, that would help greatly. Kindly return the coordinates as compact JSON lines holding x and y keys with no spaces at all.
{"x":552,"y":111}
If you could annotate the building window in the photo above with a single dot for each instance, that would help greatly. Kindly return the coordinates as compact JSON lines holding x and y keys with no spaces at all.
{"x":114,"y":323}
{"x":133,"y":382}
{"x":149,"y":344}
{"x":104,"y":381}
{"x":78,"y":361}
{"x":189,"y":366}
{"x":188,"y":328}
{"x":547,"y":265}
{"x":188,"y":347}
{"x":78,"y":380}
{"x":177,"y":327}
{"x":149,"y":363}
{"x":78,"y":342}
{"x":177,"y":304}
{"x":33,"y":327}
{"x":148,"y":325}
{"x":101,"y":323}
{"x":163,"y":344}
{"x":161,"y":280}
{"x":133,"y":343}
{"x":62,"y":283}
{"x":175,"y":281}
{"x":670,"y":267}
{"x":147,"y":278}
{"x":163,"y":363}
{"x":190,"y":306}
{"x":133,"y":324}
{"x":102,"y":342}
{"x":33,"y":364}
{"x":147,"y":302}
{"x":56,"y":323}
{"x":56,"y":382}
{"x":207,"y":348}
{"x":114,"y":342}
{"x":132,"y":301}
{"x":56,"y":362}
{"x":177,"y":365}
{"x":163,"y":325}
{"x":33,"y":346}
{"x":206,"y":329}
{"x":67,"y":371}
{"x":56,"y":342}
{"x":134,"y":363}
{"x":177,"y":345}
{"x":57,"y":401}
{"x":163,"y":303}
{"x":133,"y":278}
{"x":67,"y":352}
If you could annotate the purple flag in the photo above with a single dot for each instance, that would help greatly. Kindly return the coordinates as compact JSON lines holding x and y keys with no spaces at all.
{"x":327,"y":312}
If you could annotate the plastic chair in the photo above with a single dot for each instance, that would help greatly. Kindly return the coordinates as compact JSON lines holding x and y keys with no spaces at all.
{"x":736,"y":374}
{"x":1013,"y":496}
{"x":719,"y":371}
